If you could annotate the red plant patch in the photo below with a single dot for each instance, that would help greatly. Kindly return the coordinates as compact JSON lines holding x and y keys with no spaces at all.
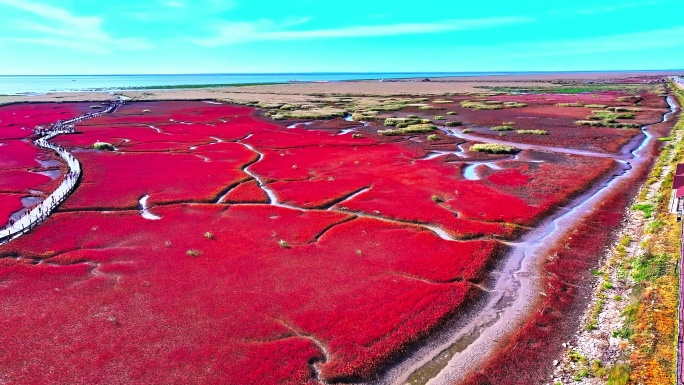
{"x":149,"y":307}
{"x":247,"y":291}
{"x":512,"y":178}
{"x":18,"y":120}
{"x":19,"y":180}
{"x":9,"y":203}
{"x":165,"y":177}
{"x":248,"y":192}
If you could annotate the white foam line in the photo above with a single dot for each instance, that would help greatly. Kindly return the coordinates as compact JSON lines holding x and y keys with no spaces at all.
{"x":346,"y":131}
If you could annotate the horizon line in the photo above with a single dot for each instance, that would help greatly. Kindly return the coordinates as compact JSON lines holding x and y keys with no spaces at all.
{"x":357,"y":72}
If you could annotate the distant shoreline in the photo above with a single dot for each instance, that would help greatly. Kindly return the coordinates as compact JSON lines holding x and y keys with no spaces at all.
{"x":445,"y":73}
{"x":42,"y":84}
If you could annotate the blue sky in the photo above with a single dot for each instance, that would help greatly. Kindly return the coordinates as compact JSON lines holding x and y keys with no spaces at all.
{"x":213,"y":36}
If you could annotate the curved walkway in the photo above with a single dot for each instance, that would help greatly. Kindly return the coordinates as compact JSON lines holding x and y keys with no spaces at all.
{"x":34,"y":216}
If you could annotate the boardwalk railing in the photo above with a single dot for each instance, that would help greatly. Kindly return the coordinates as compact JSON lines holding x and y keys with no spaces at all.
{"x":680,"y":316}
{"x":32,"y":217}
{"x":679,"y":80}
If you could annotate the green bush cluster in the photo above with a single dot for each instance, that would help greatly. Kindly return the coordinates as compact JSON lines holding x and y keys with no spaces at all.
{"x":532,"y":132}
{"x":411,"y":129}
{"x":480,"y":106}
{"x":407,"y":121}
{"x":576,"y":104}
{"x":103,"y":146}
{"x":493,"y":148}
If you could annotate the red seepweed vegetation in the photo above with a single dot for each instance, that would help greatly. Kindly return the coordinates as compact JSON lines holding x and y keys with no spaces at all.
{"x":247,"y":192}
{"x":523,"y":358}
{"x":336,"y":288}
{"x":143,"y":290}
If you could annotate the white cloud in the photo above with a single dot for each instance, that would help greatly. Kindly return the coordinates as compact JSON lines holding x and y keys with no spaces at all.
{"x":661,"y":39}
{"x":242,"y":32}
{"x":600,"y":9}
{"x":174,"y":4}
{"x":59,"y":27}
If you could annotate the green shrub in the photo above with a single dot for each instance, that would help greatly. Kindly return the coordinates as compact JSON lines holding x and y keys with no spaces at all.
{"x":619,"y":375}
{"x":502,"y":128}
{"x":592,"y":123}
{"x":624,"y":109}
{"x":440,"y":117}
{"x":468,"y":131}
{"x":607,"y":115}
{"x":570,"y":104}
{"x":396,"y":121}
{"x":532,"y":132}
{"x":480,"y":106}
{"x":452,"y":113}
{"x":412,"y":129}
{"x":598,"y":123}
{"x":625,"y":333}
{"x":514,"y":105}
{"x":193,"y":253}
{"x":316,"y":113}
{"x":270,"y":105}
{"x":647,"y":209}
{"x":284,"y":244}
{"x":432,"y":137}
{"x":493,"y":148}
{"x":103,"y":146}
{"x":453,"y":124}
{"x":649,"y":267}
{"x":623,"y":125}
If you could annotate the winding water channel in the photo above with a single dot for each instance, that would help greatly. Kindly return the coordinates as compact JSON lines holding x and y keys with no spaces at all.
{"x":509,"y":296}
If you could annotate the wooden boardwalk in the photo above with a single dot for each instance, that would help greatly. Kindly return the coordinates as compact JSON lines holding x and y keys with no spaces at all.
{"x":37,"y":214}
{"x":680,"y":321}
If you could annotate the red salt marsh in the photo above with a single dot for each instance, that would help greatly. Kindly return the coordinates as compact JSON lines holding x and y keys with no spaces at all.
{"x":367,"y":250}
{"x":542,"y":112}
{"x":166,"y":303}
